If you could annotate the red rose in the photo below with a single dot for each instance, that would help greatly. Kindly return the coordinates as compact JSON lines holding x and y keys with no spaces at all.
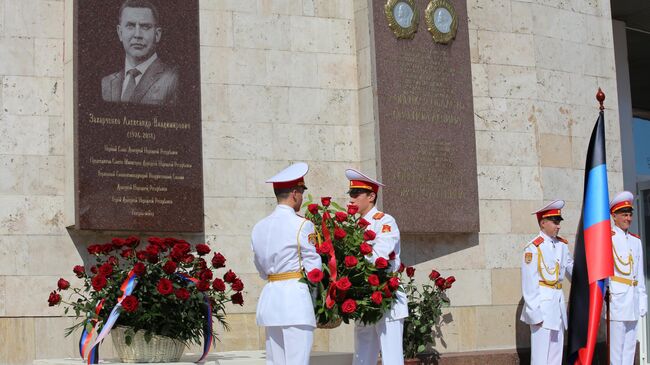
{"x":169,"y":267}
{"x":152,"y":250}
{"x":381,"y":263}
{"x":79,"y":270}
{"x":107,"y":248}
{"x":132,"y":241}
{"x":339,"y":233}
{"x":126,"y":253}
{"x":165,"y":286}
{"x":106,"y":269}
{"x":237,"y":285}
{"x":156,"y":241}
{"x":113,"y":260}
{"x":324,"y":248}
{"x":387,"y":292}
{"x":351,"y":261}
{"x":400,"y":268}
{"x":182,"y":294}
{"x":410,"y":271}
{"x":202,"y":285}
{"x":130,"y":303}
{"x":218,"y":261}
{"x":98,"y":282}
{"x":206,"y":275}
{"x":139,"y":268}
{"x":313,"y":208}
{"x":393,"y":283}
{"x":349,"y":306}
{"x":141,"y":255}
{"x":434,"y":275}
{"x":94,"y":249}
{"x":363,"y":223}
{"x":201,"y":264}
{"x":440,"y":283}
{"x":353,"y":209}
{"x":391,"y":256}
{"x":118,"y":242}
{"x":315,"y":276}
{"x":229,"y":277}
{"x":365,"y":249}
{"x":343,"y":284}
{"x":373,"y":280}
{"x":376,"y":297}
{"x":341,"y":216}
{"x":188,"y":259}
{"x":326,"y":201}
{"x":218,"y":285}
{"x":369,"y":235}
{"x":202,"y":249}
{"x":450,"y":280}
{"x":63,"y":284}
{"x":54,"y":299}
{"x":93,"y":269}
{"x":237,"y":298}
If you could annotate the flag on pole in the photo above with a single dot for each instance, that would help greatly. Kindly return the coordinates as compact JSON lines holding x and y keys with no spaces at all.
{"x":593,"y":262}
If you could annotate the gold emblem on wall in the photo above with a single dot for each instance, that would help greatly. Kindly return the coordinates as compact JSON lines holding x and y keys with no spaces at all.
{"x":442,"y":21}
{"x":402,"y":16}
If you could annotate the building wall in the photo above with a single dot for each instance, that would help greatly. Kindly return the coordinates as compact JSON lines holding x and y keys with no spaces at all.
{"x":291,"y":80}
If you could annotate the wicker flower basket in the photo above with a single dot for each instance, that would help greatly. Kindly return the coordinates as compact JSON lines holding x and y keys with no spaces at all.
{"x":159,"y":349}
{"x":331,"y":324}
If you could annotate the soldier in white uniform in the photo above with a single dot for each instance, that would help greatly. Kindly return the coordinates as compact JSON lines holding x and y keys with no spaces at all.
{"x":546,"y":262}
{"x":385,"y":335}
{"x":282,"y":251}
{"x":628,"y":299}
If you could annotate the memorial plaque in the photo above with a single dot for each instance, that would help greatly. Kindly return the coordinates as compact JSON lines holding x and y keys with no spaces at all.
{"x":138,"y":149}
{"x":427,"y":149}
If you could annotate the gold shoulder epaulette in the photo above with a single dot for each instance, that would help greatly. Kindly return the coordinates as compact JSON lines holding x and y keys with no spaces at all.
{"x":563,"y":240}
{"x":378,"y":215}
{"x":538,"y":241}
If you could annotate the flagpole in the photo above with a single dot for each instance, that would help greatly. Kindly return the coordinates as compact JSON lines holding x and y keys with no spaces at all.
{"x":600,"y":96}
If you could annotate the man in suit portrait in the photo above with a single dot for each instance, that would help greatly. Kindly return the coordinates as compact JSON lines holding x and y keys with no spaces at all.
{"x":145,"y":79}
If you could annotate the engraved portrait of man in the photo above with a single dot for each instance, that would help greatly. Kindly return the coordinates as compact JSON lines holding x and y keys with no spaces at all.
{"x":442,"y":20}
{"x":145,"y":78}
{"x":403,"y":14}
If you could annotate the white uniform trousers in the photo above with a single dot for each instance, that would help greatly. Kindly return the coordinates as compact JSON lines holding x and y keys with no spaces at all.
{"x":546,"y":346}
{"x":288,"y":345}
{"x":385,"y":335}
{"x":622,"y":336}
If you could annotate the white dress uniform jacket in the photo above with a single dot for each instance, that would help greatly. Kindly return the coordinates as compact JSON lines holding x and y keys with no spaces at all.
{"x":547,"y":260}
{"x":387,"y":241}
{"x":627,"y":302}
{"x":275,"y":244}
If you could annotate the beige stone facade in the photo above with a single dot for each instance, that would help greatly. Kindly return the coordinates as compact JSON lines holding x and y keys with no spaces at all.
{"x":289,"y":80}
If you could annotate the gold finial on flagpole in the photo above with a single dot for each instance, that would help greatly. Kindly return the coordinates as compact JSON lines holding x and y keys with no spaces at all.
{"x":600,"y":96}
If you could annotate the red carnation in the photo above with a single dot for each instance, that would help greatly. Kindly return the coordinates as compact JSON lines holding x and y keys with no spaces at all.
{"x":169,"y":267}
{"x":63,"y":284}
{"x":218,"y":285}
{"x":324,"y":248}
{"x":79,"y":270}
{"x":106,"y":269}
{"x":237,"y":285}
{"x":130,"y":303}
{"x":440,"y":283}
{"x":343,"y":284}
{"x":54,"y":299}
{"x":98,"y":282}
{"x":206,"y":275}
{"x":202,"y":249}
{"x":434,"y":275}
{"x":410,"y":271}
{"x":373,"y":280}
{"x":369,"y":235}
{"x":339,"y":233}
{"x":165,"y":286}
{"x":182,"y":294}
{"x":229,"y":277}
{"x":326,"y":201}
{"x":341,"y":216}
{"x":351,"y":261}
{"x":365,"y":249}
{"x":139,"y":268}
{"x":237,"y":298}
{"x":377,"y":297}
{"x":315,"y":276}
{"x":381,"y":263}
{"x":363,"y":223}
{"x":218,"y":261}
{"x":393,"y":283}
{"x":353,"y":209}
{"x":391,"y":256}
{"x":313,"y":208}
{"x":349,"y":306}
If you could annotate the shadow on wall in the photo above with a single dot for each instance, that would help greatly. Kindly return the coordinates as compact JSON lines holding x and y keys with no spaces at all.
{"x":421,"y":248}
{"x":522,"y":336}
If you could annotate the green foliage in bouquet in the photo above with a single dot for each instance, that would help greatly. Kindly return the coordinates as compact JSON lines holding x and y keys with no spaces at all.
{"x":169,"y":298}
{"x":349,"y":287}
{"x":425,"y":310}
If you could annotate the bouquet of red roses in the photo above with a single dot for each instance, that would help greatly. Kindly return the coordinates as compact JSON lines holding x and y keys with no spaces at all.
{"x":175,"y":291}
{"x":349,"y":287}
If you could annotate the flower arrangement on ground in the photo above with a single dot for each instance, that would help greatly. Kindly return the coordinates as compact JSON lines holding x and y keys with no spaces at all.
{"x":425,"y":310}
{"x":163,"y":288}
{"x":349,"y":287}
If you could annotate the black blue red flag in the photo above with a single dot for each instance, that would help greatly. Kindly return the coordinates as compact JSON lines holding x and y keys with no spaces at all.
{"x":593,"y":262}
